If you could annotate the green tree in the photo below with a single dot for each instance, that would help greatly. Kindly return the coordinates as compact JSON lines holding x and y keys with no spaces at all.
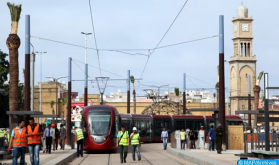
{"x":64,"y":102}
{"x":13,"y":43}
{"x":4,"y":88}
{"x":176,"y":91}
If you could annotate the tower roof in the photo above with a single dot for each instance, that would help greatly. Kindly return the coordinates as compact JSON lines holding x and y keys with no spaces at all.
{"x":242,"y":12}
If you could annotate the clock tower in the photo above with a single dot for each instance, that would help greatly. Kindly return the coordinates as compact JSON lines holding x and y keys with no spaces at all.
{"x":242,"y":62}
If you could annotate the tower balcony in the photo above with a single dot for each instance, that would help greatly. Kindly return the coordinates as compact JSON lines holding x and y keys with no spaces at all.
{"x":243,"y":58}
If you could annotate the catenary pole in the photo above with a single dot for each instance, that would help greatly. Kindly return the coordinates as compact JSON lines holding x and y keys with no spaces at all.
{"x":68,"y":119}
{"x":222,"y":77}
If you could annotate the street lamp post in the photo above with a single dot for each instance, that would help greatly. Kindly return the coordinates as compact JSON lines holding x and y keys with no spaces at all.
{"x":56,"y":80}
{"x":32,"y":78}
{"x":228,"y":87}
{"x":40,"y":120}
{"x":86,"y":70}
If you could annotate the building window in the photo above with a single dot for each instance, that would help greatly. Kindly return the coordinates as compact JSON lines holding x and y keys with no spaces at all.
{"x":243,"y":106}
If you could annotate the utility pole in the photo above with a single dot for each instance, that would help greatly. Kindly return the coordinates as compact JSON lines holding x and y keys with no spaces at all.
{"x":56,"y":88}
{"x":249,"y":101}
{"x":184,"y":94}
{"x":222,"y":78}
{"x":68,"y":118}
{"x":128,"y":92}
{"x":266,"y":112}
{"x":32,"y":78}
{"x":86,"y":71}
{"x":41,"y":81}
{"x":27,"y":65}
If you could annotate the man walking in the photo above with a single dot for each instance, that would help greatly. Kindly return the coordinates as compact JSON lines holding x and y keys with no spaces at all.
{"x":192,"y":139}
{"x":57,"y":136}
{"x":62,"y":136}
{"x":135,"y":143}
{"x":33,"y":133}
{"x":219,"y":138}
{"x":79,"y":139}
{"x":182,"y":136}
{"x":211,"y":135}
{"x":123,"y":143}
{"x":54,"y":136}
{"x":164,"y":137}
{"x":48,"y":135}
{"x":43,"y":139}
{"x":19,"y":142}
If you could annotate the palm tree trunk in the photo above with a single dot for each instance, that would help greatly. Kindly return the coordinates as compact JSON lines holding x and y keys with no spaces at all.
{"x":13,"y":43}
{"x":257,"y":90}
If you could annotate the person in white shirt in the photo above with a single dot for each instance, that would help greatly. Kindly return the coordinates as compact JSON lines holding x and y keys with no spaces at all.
{"x":48,"y":135}
{"x":164,"y":138}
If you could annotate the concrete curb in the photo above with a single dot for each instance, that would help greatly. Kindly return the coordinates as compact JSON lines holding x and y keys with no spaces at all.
{"x":194,"y":158}
{"x":63,"y":159}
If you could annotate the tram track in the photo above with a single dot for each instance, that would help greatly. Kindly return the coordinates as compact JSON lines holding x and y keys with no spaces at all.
{"x":147,"y":160}
{"x":109,"y":161}
{"x":83,"y":159}
{"x":166,"y":155}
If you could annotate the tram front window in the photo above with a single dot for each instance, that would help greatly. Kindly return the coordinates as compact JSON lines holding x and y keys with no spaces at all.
{"x":99,"y":123}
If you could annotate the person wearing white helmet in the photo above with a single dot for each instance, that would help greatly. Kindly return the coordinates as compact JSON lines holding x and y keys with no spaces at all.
{"x":135,"y":143}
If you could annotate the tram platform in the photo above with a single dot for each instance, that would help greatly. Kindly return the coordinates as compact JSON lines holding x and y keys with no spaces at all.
{"x":57,"y":157}
{"x":205,"y":157}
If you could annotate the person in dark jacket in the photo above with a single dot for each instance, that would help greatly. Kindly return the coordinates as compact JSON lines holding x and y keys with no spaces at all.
{"x":219,"y":138}
{"x":192,"y":139}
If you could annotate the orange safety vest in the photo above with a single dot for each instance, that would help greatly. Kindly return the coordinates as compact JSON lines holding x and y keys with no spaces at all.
{"x":33,"y":139}
{"x":19,"y":139}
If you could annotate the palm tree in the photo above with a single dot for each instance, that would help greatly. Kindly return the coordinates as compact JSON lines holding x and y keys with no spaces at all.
{"x":64,"y":101}
{"x":257,"y":90}
{"x":134,"y":92}
{"x":13,"y":43}
{"x":176,"y":91}
{"x":214,"y":95}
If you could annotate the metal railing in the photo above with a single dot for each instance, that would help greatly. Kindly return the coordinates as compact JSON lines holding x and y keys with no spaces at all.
{"x":256,"y":141}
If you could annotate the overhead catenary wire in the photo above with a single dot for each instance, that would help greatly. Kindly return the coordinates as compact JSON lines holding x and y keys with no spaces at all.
{"x":192,"y":81}
{"x":94,"y":34}
{"x":123,"y":50}
{"x":162,"y":38}
{"x":101,"y":69}
{"x":199,"y":80}
{"x":187,"y":41}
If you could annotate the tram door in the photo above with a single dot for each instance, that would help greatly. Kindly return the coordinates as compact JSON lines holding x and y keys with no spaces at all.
{"x":159,"y":125}
{"x":142,"y":129}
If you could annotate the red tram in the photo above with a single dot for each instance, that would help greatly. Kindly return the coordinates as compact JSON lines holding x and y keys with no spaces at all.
{"x":102,"y":123}
{"x":101,"y":127}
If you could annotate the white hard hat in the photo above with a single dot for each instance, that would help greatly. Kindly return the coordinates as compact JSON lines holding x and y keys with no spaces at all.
{"x":134,"y":128}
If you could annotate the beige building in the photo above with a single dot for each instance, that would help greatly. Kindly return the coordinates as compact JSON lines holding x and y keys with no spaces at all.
{"x":243,"y":62}
{"x":51,"y":91}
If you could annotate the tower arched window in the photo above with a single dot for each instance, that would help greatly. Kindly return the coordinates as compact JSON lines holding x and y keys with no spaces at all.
{"x":248,"y":50}
{"x":245,"y":50}
{"x":241,"y":49}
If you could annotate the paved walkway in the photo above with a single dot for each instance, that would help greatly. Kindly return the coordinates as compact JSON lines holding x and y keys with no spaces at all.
{"x":58,"y":157}
{"x":205,"y":157}
{"x":152,"y":154}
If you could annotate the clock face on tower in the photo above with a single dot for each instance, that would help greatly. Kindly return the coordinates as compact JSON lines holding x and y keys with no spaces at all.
{"x":245,"y":27}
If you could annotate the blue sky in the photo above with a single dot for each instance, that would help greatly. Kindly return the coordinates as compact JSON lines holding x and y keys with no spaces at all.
{"x":140,"y":25}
